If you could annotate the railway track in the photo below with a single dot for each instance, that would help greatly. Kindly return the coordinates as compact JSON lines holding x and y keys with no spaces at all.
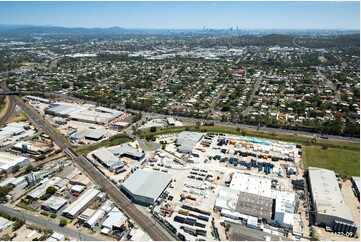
{"x":155,"y":231}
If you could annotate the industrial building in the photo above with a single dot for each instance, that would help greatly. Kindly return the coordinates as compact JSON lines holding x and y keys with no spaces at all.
{"x":12,"y":129}
{"x":187,"y":141}
{"x":37,"y":99}
{"x":252,"y":196}
{"x":8,"y":161}
{"x":115,"y":220}
{"x":90,"y":134}
{"x":27,"y":147}
{"x":54,"y":204}
{"x":254,"y":205}
{"x":99,"y":214}
{"x":328,"y":204}
{"x":56,"y":237}
{"x":108,"y":159}
{"x":251,"y":184}
{"x":41,"y":189}
{"x":4,"y":223}
{"x":144,"y":187}
{"x":83,"y":113}
{"x":126,"y":150}
{"x":81,"y":203}
{"x":356,"y":186}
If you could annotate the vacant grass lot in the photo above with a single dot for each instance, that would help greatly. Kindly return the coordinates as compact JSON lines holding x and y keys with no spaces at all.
{"x":344,"y":162}
{"x":341,"y":156}
{"x":115,"y":140}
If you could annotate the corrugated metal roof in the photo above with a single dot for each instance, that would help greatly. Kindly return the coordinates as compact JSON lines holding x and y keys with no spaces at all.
{"x":326,"y":193}
{"x":147,"y":183}
{"x":81,"y":202}
{"x":114,"y":215}
{"x":54,"y":202}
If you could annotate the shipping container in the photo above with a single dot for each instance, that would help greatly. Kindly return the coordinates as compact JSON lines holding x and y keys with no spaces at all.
{"x":204,"y":218}
{"x":200,"y":225}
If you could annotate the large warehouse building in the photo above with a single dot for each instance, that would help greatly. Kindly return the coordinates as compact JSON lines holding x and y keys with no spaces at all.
{"x":83,"y":113}
{"x":187,"y":141}
{"x":8,"y":161}
{"x":80,"y":204}
{"x":108,"y":159}
{"x":126,"y":150}
{"x":144,"y":187}
{"x":328,"y":204}
{"x":253,"y":196}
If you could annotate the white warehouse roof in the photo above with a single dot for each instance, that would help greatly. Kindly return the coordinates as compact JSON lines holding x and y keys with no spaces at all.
{"x":81,"y":202}
{"x":327,"y":195}
{"x":251,"y":184}
{"x":147,"y":184}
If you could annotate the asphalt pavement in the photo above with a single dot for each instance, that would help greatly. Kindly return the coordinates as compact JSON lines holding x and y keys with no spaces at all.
{"x":156,"y":146}
{"x":45,"y":223}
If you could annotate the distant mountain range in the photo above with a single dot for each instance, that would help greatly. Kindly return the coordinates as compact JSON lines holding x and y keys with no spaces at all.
{"x":31,"y":29}
{"x":13,"y":30}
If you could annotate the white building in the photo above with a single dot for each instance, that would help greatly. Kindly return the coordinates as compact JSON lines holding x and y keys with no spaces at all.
{"x":144,"y":187}
{"x":328,"y":204}
{"x":4,"y":223}
{"x":8,"y":161}
{"x":81,"y":203}
{"x":99,"y":214}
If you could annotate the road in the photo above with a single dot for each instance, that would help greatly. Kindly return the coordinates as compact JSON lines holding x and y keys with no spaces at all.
{"x":156,"y":146}
{"x":155,"y":231}
{"x":230,"y":124}
{"x":331,"y":84}
{"x":255,"y":88}
{"x":42,"y":222}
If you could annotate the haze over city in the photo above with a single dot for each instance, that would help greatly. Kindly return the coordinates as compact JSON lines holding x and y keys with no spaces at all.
{"x":185,"y":15}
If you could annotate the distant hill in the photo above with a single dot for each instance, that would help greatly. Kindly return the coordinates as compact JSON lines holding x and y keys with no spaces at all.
{"x":28,"y":30}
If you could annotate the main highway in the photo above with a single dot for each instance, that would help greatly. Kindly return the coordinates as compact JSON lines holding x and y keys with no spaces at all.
{"x":150,"y":226}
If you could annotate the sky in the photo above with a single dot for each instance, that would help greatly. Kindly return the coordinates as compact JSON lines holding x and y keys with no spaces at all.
{"x":185,"y":15}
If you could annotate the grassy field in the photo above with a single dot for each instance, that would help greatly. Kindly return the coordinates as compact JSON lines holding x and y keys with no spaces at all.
{"x":148,"y":145}
{"x":18,"y":118}
{"x":115,"y":140}
{"x":341,"y":156}
{"x":344,"y":162}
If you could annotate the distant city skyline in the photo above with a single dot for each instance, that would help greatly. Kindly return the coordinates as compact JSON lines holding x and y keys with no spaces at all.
{"x":185,"y":15}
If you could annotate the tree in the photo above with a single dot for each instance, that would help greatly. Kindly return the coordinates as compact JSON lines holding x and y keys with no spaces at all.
{"x":18,"y":224}
{"x":16,"y":168}
{"x":3,"y":192}
{"x":228,"y":226}
{"x":153,"y":129}
{"x":63,"y":222}
{"x":51,"y":190}
{"x":29,"y":168}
